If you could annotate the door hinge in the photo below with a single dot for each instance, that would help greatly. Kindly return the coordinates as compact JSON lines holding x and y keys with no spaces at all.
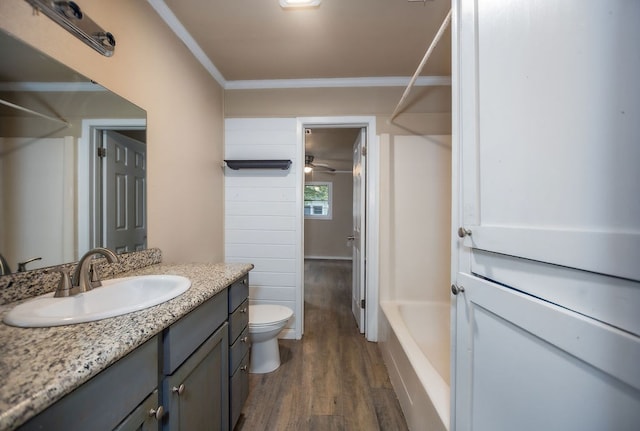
{"x":364,"y":150}
{"x":363,"y":303}
{"x":102,"y":152}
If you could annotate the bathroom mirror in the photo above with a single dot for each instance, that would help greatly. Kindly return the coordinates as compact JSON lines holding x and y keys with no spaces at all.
{"x":61,"y":191}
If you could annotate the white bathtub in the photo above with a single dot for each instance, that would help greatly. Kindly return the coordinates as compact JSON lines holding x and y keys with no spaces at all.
{"x":414,"y":339}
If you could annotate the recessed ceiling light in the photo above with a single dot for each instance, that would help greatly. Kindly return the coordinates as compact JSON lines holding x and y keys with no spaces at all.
{"x":299,"y":3}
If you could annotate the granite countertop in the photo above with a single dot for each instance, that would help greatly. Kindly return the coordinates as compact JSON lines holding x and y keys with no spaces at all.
{"x":38,"y":366}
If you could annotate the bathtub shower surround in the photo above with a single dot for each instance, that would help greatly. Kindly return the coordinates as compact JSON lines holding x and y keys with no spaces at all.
{"x":415,"y":347}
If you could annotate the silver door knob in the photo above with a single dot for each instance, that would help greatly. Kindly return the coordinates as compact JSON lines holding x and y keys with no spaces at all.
{"x":178,"y":390}
{"x":462,"y":232}
{"x":456,"y":289}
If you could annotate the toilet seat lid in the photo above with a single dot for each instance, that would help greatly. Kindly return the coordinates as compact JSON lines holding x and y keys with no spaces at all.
{"x":265,"y":314}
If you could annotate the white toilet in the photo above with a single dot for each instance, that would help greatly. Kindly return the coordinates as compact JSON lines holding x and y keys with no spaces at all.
{"x":265,"y":323}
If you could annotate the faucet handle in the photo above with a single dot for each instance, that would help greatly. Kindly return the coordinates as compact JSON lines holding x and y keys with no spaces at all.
{"x":22,"y":266}
{"x":64,"y":285}
{"x":94,"y":276}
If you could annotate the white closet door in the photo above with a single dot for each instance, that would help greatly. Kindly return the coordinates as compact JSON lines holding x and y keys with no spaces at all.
{"x":525,"y":364}
{"x":550,"y":131}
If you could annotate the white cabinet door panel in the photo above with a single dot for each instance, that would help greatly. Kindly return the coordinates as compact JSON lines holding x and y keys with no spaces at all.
{"x":550,"y":131}
{"x":524,"y":364}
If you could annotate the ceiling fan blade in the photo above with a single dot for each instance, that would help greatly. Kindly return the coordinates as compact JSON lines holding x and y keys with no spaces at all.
{"x":323,"y":166}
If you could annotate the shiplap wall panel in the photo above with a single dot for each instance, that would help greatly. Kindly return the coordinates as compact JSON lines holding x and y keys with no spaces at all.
{"x":263,"y":212}
{"x":274,"y":208}
{"x":261,"y":250}
{"x":269,"y":265}
{"x":258,"y":222}
{"x":258,"y":194}
{"x":241,"y":236}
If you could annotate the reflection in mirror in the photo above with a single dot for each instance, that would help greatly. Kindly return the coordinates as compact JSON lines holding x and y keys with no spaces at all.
{"x":72,"y":163}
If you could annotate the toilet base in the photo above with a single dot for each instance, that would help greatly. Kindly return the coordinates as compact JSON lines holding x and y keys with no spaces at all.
{"x":265,"y":356}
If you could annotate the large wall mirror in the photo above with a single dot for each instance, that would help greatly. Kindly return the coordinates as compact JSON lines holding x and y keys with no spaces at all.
{"x":72,"y":163}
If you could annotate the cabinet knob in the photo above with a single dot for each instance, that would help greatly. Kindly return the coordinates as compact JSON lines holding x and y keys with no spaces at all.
{"x":243,"y":368}
{"x":244,"y":310}
{"x":244,"y":281}
{"x":244,"y":339}
{"x":462,"y":232}
{"x":456,"y":289}
{"x":178,"y":390}
{"x":157,"y":413}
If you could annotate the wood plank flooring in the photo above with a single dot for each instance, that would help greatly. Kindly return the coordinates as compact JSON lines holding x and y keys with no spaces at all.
{"x":332,"y":379}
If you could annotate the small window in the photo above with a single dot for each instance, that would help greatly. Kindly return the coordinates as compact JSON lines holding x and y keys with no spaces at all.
{"x":317,"y":200}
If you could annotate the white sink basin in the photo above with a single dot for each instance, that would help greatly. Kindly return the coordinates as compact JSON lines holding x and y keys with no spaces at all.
{"x":114,"y":298}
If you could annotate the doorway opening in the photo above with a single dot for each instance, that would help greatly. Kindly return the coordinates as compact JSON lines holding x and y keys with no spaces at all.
{"x":340,"y":223}
{"x":112,"y":185}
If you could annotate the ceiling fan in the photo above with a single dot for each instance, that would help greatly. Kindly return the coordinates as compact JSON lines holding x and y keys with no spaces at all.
{"x":309,"y":165}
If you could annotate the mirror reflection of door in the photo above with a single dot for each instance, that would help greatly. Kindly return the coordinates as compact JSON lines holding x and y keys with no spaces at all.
{"x":123,"y":192}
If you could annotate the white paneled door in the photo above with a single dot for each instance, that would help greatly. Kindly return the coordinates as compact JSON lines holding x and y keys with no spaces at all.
{"x":358,"y":238}
{"x":550,"y":137}
{"x":124,"y":193}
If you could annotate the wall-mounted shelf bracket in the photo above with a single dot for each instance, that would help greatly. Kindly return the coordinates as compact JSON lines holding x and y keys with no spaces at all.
{"x":69,"y":15}
{"x":258,"y":164}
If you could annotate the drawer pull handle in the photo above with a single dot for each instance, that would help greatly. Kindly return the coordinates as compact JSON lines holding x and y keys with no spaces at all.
{"x":243,"y":368}
{"x":179,"y":390}
{"x":244,"y":310}
{"x":244,"y":339}
{"x":157,"y":413}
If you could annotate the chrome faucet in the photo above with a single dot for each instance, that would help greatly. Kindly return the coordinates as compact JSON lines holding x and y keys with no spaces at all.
{"x":85,"y":277}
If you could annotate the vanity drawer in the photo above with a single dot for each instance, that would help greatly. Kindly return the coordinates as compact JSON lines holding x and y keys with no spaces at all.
{"x":238,"y":390}
{"x":238,"y":350}
{"x":122,"y":386}
{"x":238,"y":321}
{"x":238,"y":292}
{"x":183,"y":337}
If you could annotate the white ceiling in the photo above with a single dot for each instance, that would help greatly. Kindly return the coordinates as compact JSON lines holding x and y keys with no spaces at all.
{"x":258,"y":40}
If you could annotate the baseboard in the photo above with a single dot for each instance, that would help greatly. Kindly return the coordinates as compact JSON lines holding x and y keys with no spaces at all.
{"x":328,"y":257}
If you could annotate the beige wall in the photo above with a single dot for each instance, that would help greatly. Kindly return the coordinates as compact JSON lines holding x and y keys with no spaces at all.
{"x":428,"y":109}
{"x":184,"y":105}
{"x":328,"y":238}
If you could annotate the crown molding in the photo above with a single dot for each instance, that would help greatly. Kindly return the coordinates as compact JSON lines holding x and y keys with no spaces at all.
{"x":174,"y":24}
{"x":52,"y":87}
{"x":386,"y":81}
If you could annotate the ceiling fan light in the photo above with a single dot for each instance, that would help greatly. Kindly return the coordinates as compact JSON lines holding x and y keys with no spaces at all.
{"x":308,"y":169}
{"x":299,"y":3}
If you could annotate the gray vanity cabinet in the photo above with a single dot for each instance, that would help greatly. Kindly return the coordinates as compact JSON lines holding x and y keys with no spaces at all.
{"x":113,"y":398}
{"x":238,"y":347}
{"x":178,"y":380}
{"x":195,"y":386}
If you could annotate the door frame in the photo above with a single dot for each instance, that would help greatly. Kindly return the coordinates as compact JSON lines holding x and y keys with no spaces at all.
{"x":372,"y":230}
{"x":88,"y":181}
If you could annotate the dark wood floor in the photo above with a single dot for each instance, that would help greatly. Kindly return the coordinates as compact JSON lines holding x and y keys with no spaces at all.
{"x":332,"y":379}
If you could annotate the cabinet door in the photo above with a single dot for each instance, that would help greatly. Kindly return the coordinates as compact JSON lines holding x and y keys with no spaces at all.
{"x":549,"y":128}
{"x":525,"y":364}
{"x":146,"y":417}
{"x":197,"y":394}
